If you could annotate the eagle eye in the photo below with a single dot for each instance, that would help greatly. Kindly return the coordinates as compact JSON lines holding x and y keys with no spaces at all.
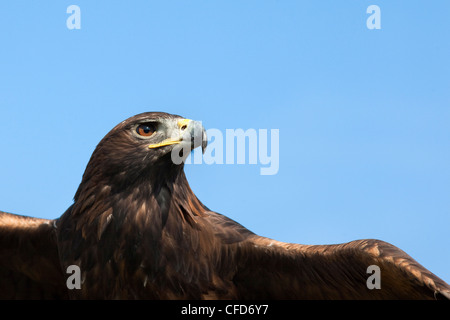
{"x":145,"y":129}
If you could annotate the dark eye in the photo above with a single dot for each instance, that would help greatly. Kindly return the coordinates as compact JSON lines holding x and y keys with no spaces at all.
{"x":145,"y":129}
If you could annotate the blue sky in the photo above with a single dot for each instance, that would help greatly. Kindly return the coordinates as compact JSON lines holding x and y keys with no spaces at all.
{"x":363,"y":115}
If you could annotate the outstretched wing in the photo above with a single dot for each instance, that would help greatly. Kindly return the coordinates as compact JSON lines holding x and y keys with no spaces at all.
{"x":362,"y":269}
{"x":29,"y":264}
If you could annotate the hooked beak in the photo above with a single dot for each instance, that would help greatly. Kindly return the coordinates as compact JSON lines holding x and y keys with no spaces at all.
{"x":189,"y":131}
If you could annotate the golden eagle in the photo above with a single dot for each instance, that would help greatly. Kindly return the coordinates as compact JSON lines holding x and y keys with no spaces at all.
{"x":137,"y":231}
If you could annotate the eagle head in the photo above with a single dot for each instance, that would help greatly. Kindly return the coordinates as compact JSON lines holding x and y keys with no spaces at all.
{"x":143,"y":147}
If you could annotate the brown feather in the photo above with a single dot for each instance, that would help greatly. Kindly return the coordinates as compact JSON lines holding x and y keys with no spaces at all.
{"x":29,"y":264}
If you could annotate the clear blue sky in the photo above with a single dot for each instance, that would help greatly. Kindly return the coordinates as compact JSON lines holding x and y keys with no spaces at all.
{"x":363,"y":115}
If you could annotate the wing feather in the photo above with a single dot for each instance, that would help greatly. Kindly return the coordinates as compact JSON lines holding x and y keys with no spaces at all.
{"x":271,"y":269}
{"x":29,"y":264}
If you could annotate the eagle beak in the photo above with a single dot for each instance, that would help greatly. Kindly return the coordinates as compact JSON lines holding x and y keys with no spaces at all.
{"x":188,"y":131}
{"x":194,"y":134}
